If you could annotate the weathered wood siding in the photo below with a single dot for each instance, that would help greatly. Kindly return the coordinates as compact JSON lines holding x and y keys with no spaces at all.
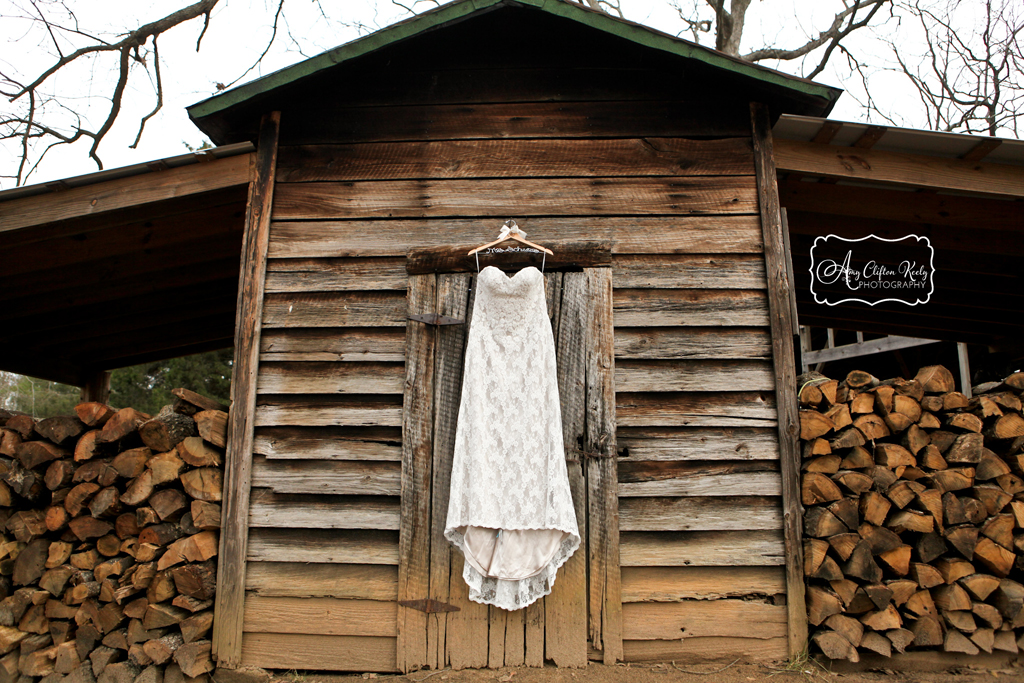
{"x":572,"y":156}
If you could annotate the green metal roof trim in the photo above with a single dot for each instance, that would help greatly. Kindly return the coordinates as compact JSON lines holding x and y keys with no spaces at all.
{"x":460,"y":9}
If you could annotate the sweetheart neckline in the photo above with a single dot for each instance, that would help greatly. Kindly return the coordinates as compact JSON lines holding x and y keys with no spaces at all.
{"x":509,"y":278}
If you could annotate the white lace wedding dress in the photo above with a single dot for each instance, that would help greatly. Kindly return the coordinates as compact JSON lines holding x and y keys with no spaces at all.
{"x":510,"y":511}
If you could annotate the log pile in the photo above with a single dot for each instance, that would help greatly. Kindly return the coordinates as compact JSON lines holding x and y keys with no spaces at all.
{"x":110,"y":522}
{"x":914,"y":514}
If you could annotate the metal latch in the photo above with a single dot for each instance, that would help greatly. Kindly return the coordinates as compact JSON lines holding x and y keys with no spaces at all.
{"x":430,"y":606}
{"x":435,"y":319}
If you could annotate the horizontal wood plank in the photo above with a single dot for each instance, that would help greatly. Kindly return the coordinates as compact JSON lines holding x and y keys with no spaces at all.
{"x":690,"y":307}
{"x":643,"y":444}
{"x":661,"y":478}
{"x":330,"y":378}
{"x":344,"y":344}
{"x":633,"y":235}
{"x":322,"y":616}
{"x":696,"y":343}
{"x":699,"y":650}
{"x":702,"y":618}
{"x":329,"y":443}
{"x":305,"y":580}
{"x":705,"y":513}
{"x":657,"y":195}
{"x":696,"y":409}
{"x":568,"y":255}
{"x":674,"y":584}
{"x":319,"y":652}
{"x":337,"y":546}
{"x":697,"y":375}
{"x":283,"y":410}
{"x":689,"y":271}
{"x":335,"y":274}
{"x":335,"y":309}
{"x":515,"y":158}
{"x":328,"y":477}
{"x":293,"y":511}
{"x":703,"y":549}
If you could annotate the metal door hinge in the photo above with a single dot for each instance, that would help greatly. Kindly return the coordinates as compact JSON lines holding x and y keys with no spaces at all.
{"x":429,"y":605}
{"x":435,"y":319}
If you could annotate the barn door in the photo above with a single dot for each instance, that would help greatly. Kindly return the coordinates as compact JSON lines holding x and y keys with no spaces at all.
{"x":438,"y":625}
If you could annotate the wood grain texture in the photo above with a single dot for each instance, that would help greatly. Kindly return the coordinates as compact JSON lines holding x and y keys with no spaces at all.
{"x":697,"y":375}
{"x":645,"y":444}
{"x":337,"y":546}
{"x":675,"y":584}
{"x":515,"y":638}
{"x":329,"y":443}
{"x":467,"y":630}
{"x":692,"y":343}
{"x":306,"y":580}
{"x":702,"y":549}
{"x":319,"y":652}
{"x":689,"y":271}
{"x":334,"y":309}
{"x":230,"y":597}
{"x":360,"y":478}
{"x":690,"y":307}
{"x":660,"y":478}
{"x":327,"y":411}
{"x":295,"y":511}
{"x":315,"y":377}
{"x":702,"y":618}
{"x":417,"y":451}
{"x":711,"y":234}
{"x":696,"y":409}
{"x":382,"y":344}
{"x":320,"y":616}
{"x":335,"y":275}
{"x":709,"y":513}
{"x":783,"y":326}
{"x":700,"y":650}
{"x":516,"y":158}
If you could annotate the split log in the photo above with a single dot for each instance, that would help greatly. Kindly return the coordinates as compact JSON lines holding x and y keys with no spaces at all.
{"x":834,"y":646}
{"x":121,"y":424}
{"x":206,"y":484}
{"x":166,"y":429}
{"x":205,"y":515}
{"x":198,"y":401}
{"x":935,"y":379}
{"x":212,"y":425}
{"x":94,"y":414}
{"x":60,"y":428}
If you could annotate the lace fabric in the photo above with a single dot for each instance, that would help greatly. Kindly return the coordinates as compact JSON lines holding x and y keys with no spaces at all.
{"x":508,"y":468}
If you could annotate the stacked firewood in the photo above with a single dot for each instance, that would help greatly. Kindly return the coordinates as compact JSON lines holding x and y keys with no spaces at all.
{"x":914,"y":513}
{"x":109,"y":539}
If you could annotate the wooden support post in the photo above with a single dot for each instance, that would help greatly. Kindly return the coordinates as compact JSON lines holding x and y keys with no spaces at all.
{"x":779,"y":286}
{"x":965,"y":369}
{"x":234,"y":536}
{"x":97,"y":387}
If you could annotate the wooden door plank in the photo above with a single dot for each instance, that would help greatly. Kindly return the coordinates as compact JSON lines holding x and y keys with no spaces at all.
{"x":702,"y":548}
{"x":338,"y":546}
{"x":716,"y":375}
{"x":299,"y":511}
{"x":303,"y":652}
{"x":496,"y":621}
{"x":453,"y":300}
{"x":230,"y":598}
{"x":327,"y":413}
{"x":534,"y":616}
{"x":354,"y":478}
{"x":329,"y":443}
{"x":516,"y":158}
{"x":331,"y":378}
{"x":466,"y":631}
{"x":335,"y":309}
{"x":417,"y":451}
{"x":692,"y":343}
{"x":305,"y":580}
{"x":640,"y":444}
{"x":783,"y":326}
{"x":602,"y":477}
{"x":707,"y":513}
{"x":712,"y":234}
{"x":674,"y":584}
{"x":702,"y":618}
{"x":515,"y":643}
{"x":696,"y":409}
{"x":520,"y":197}
{"x":690,"y":307}
{"x":381,"y":344}
{"x":566,"y":605}
{"x":706,"y":483}
{"x":320,"y":616}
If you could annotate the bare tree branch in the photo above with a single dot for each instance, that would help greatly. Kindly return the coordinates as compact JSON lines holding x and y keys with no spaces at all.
{"x":833,"y":34}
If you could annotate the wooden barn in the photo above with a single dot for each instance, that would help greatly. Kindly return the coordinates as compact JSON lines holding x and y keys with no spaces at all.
{"x":644,"y":162}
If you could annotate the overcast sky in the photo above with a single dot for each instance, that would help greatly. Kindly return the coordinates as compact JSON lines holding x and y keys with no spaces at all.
{"x":239,"y":32}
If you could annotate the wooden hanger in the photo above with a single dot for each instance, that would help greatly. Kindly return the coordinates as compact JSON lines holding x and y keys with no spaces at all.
{"x":511,"y":231}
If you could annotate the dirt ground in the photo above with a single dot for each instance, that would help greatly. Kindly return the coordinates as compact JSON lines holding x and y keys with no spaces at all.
{"x":737,"y":672}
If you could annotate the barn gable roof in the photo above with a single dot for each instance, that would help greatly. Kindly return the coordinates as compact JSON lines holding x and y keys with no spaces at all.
{"x":799,"y":95}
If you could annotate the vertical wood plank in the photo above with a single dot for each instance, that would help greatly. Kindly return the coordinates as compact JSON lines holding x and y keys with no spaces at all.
{"x":533,"y":628}
{"x":566,"y":606}
{"x":515,"y":652}
{"x":227,"y":631}
{"x":453,"y":293}
{"x":96,"y":387}
{"x":467,"y":628}
{"x":602,"y":471}
{"x":781,"y":315}
{"x":496,"y":637}
{"x":417,"y":453}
